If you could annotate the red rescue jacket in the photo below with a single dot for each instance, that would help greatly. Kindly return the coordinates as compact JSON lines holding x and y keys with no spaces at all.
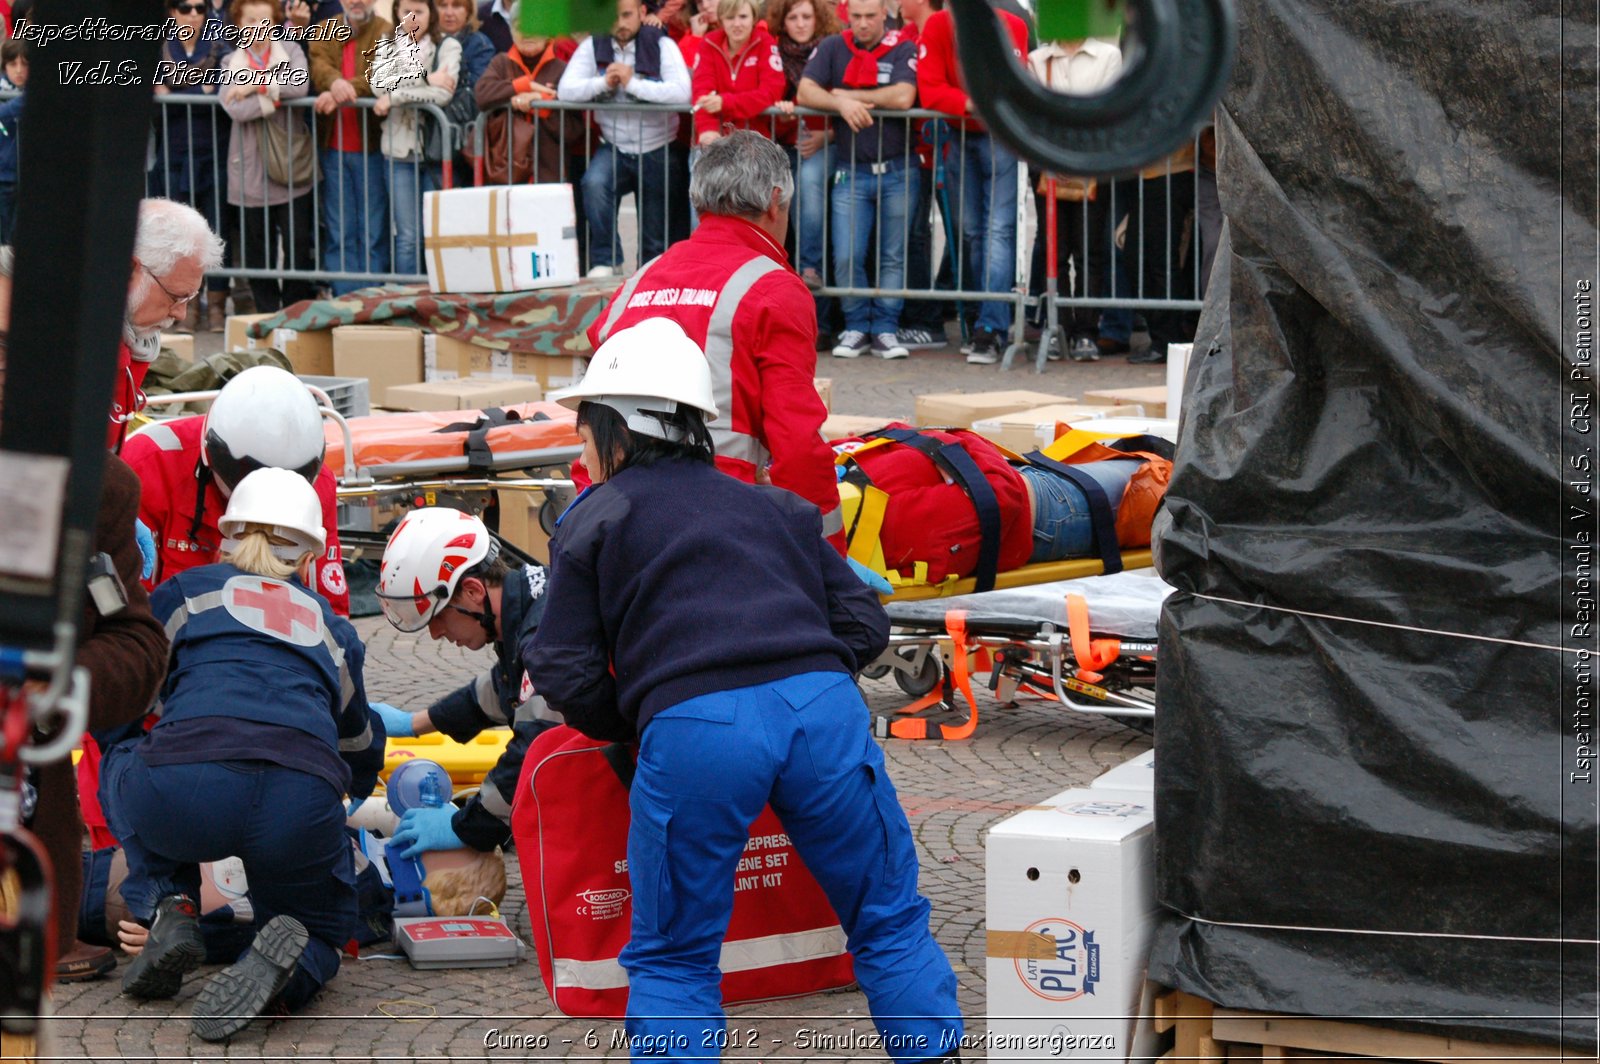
{"x":127,"y":397}
{"x":749,"y":82}
{"x":165,"y":456}
{"x":734,"y":293}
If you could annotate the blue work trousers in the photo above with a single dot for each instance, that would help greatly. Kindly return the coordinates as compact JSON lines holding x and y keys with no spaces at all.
{"x":286,"y":826}
{"x":706,"y":767}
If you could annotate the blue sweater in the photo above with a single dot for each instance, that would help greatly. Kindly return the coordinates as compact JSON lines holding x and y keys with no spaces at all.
{"x":674,"y":580}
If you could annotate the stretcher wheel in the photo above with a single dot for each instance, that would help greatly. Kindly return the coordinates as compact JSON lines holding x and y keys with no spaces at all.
{"x":875,"y":672}
{"x":921,"y":679}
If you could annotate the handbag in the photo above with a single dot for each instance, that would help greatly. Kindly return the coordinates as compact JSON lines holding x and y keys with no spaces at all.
{"x":570,"y":820}
{"x":297,"y":167}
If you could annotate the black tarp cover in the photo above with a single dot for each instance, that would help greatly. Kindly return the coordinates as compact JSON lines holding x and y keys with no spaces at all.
{"x":1388,"y":420}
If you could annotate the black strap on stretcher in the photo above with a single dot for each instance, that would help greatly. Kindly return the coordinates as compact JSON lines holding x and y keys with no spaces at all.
{"x":953,"y":459}
{"x":84,"y":146}
{"x":480,"y":459}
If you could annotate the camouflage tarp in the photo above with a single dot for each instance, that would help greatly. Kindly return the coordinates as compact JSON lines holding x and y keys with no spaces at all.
{"x":552,"y":321}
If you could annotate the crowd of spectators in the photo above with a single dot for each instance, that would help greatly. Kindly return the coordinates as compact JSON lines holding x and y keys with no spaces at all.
{"x":867,"y":180}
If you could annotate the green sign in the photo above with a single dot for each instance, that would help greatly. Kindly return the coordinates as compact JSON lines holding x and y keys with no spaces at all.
{"x":556,"y":18}
{"x":1072,"y":20}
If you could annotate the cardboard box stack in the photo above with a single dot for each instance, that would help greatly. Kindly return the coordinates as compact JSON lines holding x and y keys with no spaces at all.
{"x":446,"y":358}
{"x":961,"y":409}
{"x":506,"y":238}
{"x":838,"y":426}
{"x":385,"y":355}
{"x":309,"y":353}
{"x":467,"y":393}
{"x":519,"y":522}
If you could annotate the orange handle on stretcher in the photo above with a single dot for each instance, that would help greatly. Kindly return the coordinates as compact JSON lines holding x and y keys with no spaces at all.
{"x":1092,"y":654}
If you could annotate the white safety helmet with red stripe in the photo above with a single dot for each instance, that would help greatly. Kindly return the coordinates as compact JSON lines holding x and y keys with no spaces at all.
{"x":424,"y":561}
{"x":264,"y":417}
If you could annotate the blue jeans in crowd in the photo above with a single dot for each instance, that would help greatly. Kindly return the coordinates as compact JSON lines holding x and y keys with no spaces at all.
{"x":985,"y":176}
{"x":706,"y":767}
{"x":408,"y":180}
{"x":808,"y":215}
{"x":868,"y":204}
{"x":355,"y":213}
{"x":659,"y":181}
{"x":286,"y":826}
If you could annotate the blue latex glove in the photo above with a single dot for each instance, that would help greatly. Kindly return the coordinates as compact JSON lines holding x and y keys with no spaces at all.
{"x":147,"y":547}
{"x":425,"y":829}
{"x":875,"y":581}
{"x":396,"y":721}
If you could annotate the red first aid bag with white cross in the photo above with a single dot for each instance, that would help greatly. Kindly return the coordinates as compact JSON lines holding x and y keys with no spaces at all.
{"x":570,"y":822}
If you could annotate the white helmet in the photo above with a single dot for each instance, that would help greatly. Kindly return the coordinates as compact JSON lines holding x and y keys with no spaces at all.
{"x":424,"y":561}
{"x":263,"y":417}
{"x":644,"y":372}
{"x":284,"y":503}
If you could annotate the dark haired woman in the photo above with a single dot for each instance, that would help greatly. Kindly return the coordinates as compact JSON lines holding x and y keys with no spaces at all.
{"x":709,"y":620}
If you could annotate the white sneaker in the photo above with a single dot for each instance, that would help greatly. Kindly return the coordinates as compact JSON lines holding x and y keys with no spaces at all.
{"x":601,"y":271}
{"x":852,"y":342}
{"x":887,"y":345}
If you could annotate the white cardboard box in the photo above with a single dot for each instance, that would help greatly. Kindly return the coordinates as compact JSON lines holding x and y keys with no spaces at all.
{"x":502,"y":238}
{"x":1135,"y":774}
{"x":1070,"y":906}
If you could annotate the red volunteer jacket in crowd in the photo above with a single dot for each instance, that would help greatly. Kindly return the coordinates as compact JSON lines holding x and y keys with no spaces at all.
{"x":939,"y":84}
{"x":732,"y":290}
{"x":749,"y":82}
{"x":165,"y":455}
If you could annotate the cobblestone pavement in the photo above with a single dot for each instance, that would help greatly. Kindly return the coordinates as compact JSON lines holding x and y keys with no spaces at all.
{"x":380,"y":1009}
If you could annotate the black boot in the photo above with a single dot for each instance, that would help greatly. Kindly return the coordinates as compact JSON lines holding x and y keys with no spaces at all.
{"x":173,"y":950}
{"x":239,"y":993}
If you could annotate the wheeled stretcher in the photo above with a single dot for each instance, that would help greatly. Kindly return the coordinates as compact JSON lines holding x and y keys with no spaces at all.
{"x":1089,"y":644}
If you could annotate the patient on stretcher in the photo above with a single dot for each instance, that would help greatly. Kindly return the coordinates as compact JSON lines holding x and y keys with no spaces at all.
{"x":948,"y":503}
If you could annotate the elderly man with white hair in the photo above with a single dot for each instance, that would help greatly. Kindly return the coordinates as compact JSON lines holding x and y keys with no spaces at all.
{"x":173,"y":252}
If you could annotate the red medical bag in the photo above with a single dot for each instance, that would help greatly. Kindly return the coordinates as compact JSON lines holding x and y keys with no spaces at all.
{"x":570,"y":823}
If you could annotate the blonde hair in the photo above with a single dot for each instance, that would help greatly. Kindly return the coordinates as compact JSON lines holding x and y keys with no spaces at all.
{"x":454,"y":891}
{"x":254,"y":555}
{"x":726,"y":9}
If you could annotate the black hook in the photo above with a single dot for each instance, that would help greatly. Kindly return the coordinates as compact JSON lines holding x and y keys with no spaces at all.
{"x":1160,"y":101}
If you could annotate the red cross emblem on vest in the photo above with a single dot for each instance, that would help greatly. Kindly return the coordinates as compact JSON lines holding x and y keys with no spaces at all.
{"x":275,"y":608}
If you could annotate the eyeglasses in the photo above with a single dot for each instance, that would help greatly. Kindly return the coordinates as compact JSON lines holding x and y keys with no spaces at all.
{"x":177,"y":300}
{"x":190,"y":9}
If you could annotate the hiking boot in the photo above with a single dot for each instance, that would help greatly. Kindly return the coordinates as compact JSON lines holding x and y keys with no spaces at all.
{"x":173,"y":950}
{"x":84,"y":962}
{"x":233,"y":998}
{"x":852,"y":344}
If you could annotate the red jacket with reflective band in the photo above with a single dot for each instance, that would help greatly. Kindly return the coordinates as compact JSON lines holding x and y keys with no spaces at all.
{"x":164,"y":455}
{"x":732,"y":290}
{"x":931,"y":518}
{"x":748,"y":83}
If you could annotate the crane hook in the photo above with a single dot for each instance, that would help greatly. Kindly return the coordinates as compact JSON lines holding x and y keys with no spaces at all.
{"x":1160,"y":101}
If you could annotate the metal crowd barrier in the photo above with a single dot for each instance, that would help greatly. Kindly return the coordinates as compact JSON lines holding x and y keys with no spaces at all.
{"x":1156,"y":218}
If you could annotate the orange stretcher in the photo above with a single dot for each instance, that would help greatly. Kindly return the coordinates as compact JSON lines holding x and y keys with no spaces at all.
{"x":438,"y":442}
